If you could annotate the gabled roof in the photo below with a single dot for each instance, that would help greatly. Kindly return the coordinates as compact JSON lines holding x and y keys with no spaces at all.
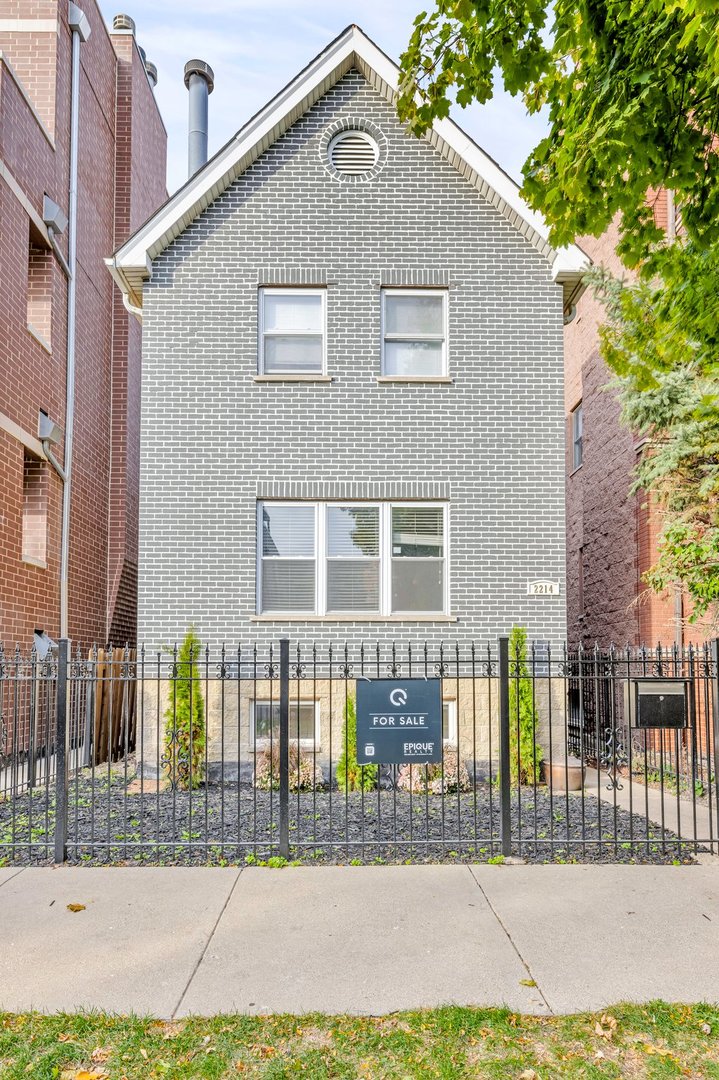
{"x":131,"y":264}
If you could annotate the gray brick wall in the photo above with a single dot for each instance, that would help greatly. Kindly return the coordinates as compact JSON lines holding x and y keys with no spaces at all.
{"x":214,"y":440}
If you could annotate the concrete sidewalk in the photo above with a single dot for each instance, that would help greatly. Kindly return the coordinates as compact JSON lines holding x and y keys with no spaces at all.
{"x":169,"y":942}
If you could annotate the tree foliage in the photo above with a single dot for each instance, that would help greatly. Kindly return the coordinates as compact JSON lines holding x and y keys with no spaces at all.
{"x":631,"y":88}
{"x":661,"y":339}
{"x":632,"y":92}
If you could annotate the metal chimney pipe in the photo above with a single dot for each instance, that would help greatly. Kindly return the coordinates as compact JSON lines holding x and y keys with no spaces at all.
{"x":200,"y":81}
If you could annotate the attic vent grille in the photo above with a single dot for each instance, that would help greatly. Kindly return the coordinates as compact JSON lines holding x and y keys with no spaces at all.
{"x":353,"y":153}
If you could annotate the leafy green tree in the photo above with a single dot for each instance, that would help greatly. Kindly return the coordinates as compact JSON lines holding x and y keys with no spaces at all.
{"x":525,"y":756}
{"x":350,"y":775}
{"x":185,"y":719}
{"x":630,"y":87}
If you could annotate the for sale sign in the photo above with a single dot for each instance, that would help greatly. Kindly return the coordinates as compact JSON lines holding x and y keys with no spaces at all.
{"x":398,"y":721}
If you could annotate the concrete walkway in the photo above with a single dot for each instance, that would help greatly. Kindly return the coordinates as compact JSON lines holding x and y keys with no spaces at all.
{"x":169,"y":942}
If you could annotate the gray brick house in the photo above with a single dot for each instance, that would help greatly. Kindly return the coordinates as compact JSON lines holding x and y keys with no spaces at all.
{"x":352,"y":410}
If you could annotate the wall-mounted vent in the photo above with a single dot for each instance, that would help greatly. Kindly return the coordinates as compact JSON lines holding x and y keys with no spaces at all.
{"x":353,"y":153}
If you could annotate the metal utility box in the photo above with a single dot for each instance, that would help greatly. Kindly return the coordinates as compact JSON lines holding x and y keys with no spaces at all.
{"x":657,"y":703}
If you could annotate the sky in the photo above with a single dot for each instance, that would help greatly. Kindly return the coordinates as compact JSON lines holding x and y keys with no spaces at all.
{"x":255,"y":47}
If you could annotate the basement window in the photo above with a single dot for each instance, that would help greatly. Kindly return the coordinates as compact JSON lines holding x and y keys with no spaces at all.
{"x":39,"y":290}
{"x":34,"y":511}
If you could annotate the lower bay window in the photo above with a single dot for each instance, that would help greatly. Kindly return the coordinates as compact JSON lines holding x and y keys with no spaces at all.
{"x":352,"y":559}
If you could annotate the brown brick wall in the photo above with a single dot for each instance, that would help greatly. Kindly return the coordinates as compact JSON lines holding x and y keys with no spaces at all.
{"x":610,"y":532}
{"x":117,"y":116}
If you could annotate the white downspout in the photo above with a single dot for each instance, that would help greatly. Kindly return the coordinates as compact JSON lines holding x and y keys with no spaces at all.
{"x":80,"y":32}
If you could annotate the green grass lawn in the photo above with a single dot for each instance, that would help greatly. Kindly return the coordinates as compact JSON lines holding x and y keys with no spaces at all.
{"x":656,"y":1040}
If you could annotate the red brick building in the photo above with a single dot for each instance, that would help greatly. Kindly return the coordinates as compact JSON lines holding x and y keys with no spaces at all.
{"x":121,"y":151}
{"x":611,"y":534}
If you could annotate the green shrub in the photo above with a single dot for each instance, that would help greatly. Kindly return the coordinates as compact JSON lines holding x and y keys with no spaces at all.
{"x":304,"y":773}
{"x":437,"y":778}
{"x":184,"y":756}
{"x":525,"y":756}
{"x":350,"y":775}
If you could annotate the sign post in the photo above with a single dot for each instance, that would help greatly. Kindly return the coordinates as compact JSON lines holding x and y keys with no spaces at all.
{"x":399,"y":721}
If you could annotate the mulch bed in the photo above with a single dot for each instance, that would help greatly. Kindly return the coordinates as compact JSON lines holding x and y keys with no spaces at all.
{"x":227,"y":824}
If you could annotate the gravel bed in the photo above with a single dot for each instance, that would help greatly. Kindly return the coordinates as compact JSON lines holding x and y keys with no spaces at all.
{"x":225,"y":825}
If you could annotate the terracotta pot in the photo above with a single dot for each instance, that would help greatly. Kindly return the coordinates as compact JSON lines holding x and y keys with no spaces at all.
{"x":565,"y":775}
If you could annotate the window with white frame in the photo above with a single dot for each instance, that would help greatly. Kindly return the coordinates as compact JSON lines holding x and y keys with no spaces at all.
{"x":292,"y":331}
{"x":345,"y":559}
{"x":449,"y":723}
{"x":414,"y":332}
{"x":304,"y":723}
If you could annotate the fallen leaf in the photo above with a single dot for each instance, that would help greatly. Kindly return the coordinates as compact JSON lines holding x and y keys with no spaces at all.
{"x":143,"y":1053}
{"x":99,"y":1055}
{"x":707,"y":1029}
{"x":76,"y":907}
{"x":528,"y":1074}
{"x":527,"y":982}
{"x":660,"y":1051}
{"x":62,"y":1037}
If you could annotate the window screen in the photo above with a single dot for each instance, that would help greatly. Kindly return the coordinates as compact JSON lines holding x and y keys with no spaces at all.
{"x":414,"y":333}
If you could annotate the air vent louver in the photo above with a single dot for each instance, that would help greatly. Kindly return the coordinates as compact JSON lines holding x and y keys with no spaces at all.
{"x":353,"y":153}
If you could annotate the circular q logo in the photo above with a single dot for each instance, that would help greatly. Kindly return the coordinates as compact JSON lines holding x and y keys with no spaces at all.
{"x":398,"y":697}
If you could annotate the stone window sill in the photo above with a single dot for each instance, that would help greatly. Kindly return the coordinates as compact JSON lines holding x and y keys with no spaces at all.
{"x":299,"y":378}
{"x":30,"y":561}
{"x":445,"y":380}
{"x":350,"y":618}
{"x":39,"y":338}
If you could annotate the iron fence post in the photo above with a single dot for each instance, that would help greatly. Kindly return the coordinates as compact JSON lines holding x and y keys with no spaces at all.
{"x":61,"y":752}
{"x":284,"y":748}
{"x":713,"y":751}
{"x":505,"y":787}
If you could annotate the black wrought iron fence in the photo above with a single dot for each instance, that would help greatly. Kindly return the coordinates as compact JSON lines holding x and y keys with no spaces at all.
{"x":256,"y":754}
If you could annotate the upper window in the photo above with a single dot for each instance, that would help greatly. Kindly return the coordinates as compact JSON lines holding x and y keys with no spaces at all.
{"x":414,"y":332}
{"x":577,"y":436}
{"x":292,"y":331}
{"x":330,"y":558}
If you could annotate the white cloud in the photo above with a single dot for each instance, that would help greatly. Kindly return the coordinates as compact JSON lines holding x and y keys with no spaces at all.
{"x":256,"y":46}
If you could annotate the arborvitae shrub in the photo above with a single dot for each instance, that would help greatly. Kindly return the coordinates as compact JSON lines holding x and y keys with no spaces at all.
{"x":184,"y":757}
{"x":350,"y":775}
{"x":525,"y":756}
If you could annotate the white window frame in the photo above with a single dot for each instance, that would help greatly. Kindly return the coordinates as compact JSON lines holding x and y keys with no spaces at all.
{"x":451,"y":739}
{"x":262,"y":742}
{"x":385,"y":560}
{"x":577,"y":440}
{"x":288,"y":290}
{"x":261,"y":557}
{"x":444,"y":338}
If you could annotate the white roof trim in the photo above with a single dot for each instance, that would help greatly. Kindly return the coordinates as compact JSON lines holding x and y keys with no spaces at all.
{"x":132,"y":263}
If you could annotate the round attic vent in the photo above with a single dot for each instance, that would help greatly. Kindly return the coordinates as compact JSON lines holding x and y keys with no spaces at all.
{"x":353,"y":153}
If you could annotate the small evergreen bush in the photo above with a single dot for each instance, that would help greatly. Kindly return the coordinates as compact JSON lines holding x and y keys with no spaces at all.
{"x":350,"y":775}
{"x":184,"y":757}
{"x":525,"y":756}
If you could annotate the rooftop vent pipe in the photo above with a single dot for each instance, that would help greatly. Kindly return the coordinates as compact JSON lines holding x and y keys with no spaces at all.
{"x":123,"y":22}
{"x":200,"y":81}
